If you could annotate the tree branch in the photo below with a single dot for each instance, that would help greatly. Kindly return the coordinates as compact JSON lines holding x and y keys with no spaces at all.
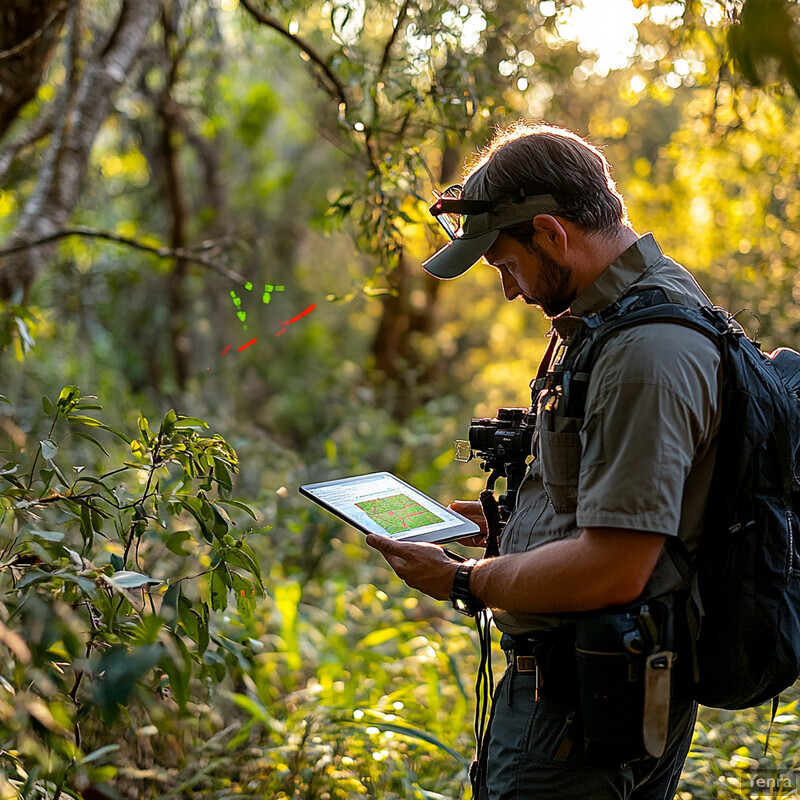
{"x":42,"y":126}
{"x":188,"y":254}
{"x":334,"y":87}
{"x":387,"y":50}
{"x":12,"y":51}
{"x":57,"y":189}
{"x":174,"y":199}
{"x":26,"y":45}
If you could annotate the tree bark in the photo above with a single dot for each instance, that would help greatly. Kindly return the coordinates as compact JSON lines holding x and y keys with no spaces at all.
{"x":175,"y":201}
{"x":392,"y":350}
{"x":59,"y":182}
{"x":29,"y":31}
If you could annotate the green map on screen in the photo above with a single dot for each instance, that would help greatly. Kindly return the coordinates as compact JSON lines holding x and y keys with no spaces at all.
{"x":398,"y":513}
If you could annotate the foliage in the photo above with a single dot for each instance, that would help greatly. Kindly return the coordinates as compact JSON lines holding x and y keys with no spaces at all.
{"x":91,"y":618}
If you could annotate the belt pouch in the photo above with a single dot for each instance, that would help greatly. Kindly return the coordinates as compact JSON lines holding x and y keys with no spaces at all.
{"x":611,"y":658}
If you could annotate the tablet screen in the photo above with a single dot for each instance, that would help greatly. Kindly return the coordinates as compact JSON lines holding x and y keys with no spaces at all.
{"x":381,"y":503}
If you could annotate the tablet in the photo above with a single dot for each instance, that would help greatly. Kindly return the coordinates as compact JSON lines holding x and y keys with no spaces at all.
{"x":381,"y":503}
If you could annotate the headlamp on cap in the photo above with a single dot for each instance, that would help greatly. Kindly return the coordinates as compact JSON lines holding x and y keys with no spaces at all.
{"x":473,"y":225}
{"x":450,"y":209}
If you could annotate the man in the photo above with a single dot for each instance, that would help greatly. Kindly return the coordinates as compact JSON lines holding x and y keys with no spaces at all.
{"x":603,"y":492}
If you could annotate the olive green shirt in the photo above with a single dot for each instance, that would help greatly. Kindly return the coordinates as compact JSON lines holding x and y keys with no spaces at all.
{"x":642,"y":456}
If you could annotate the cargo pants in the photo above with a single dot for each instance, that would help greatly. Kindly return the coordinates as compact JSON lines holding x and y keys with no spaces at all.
{"x":535,"y":749}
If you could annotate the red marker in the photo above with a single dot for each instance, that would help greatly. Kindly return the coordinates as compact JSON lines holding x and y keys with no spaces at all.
{"x":294,"y":319}
{"x":244,"y":346}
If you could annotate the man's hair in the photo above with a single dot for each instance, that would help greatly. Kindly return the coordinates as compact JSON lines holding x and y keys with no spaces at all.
{"x":545,"y":159}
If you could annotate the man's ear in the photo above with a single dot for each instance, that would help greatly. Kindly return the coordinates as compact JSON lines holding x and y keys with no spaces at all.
{"x":550,"y":233}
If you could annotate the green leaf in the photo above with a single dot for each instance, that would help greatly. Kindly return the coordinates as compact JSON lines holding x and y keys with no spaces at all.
{"x":123,"y":668}
{"x":120,"y":434}
{"x":49,"y":449}
{"x":86,"y":586}
{"x":190,"y":422}
{"x":254,"y":707}
{"x":95,"y":482}
{"x":127,"y":579}
{"x":414,"y":733}
{"x":27,"y":787}
{"x":99,"y":753}
{"x":220,"y":525}
{"x":68,"y":398}
{"x":83,"y":405}
{"x":91,"y":439}
{"x":144,"y":430}
{"x":33,"y":576}
{"x":4,"y":399}
{"x":219,"y":588}
{"x":237,"y":504}
{"x":222,"y":475}
{"x":379,"y":636}
{"x":238,"y":557}
{"x":179,"y":671}
{"x":116,"y":562}
{"x":192,"y":505}
{"x":47,"y":405}
{"x":46,"y":476}
{"x":202,"y":629}
{"x":189,"y":618}
{"x":82,"y":419}
{"x":175,"y":542}
{"x":169,"y":603}
{"x":87,"y":530}
{"x":48,"y":536}
{"x":245,"y":596}
{"x":168,"y":423}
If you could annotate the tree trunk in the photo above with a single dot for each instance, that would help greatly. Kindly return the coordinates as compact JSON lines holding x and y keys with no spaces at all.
{"x":64,"y":165}
{"x":394,"y":356}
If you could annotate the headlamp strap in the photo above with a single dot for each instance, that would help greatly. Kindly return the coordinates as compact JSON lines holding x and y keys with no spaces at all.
{"x":453,"y":205}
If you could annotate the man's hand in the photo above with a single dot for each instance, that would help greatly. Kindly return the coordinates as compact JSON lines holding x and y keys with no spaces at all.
{"x":421,"y":565}
{"x":473,"y":511}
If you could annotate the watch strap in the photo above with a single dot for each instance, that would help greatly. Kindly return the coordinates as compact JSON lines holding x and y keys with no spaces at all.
{"x":461,"y":598}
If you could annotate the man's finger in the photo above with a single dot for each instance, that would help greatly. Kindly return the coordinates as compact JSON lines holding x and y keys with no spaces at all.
{"x":382,"y":543}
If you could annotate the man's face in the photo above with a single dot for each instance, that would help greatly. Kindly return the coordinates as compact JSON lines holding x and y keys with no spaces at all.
{"x":527,"y":271}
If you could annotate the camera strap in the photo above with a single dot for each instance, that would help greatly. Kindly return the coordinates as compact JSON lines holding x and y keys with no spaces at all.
{"x":484,"y":694}
{"x":484,"y":683}
{"x":494,"y":527}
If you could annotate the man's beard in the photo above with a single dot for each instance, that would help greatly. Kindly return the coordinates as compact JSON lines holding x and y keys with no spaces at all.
{"x":555,"y":294}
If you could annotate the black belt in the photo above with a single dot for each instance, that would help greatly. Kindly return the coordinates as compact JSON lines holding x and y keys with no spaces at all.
{"x":527,"y":643}
{"x":549,"y":655}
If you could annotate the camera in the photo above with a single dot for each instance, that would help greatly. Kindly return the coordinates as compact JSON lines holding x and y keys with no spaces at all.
{"x":504,"y":445}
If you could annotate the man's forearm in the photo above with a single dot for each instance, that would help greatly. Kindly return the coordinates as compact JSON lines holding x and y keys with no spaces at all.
{"x":602,"y":567}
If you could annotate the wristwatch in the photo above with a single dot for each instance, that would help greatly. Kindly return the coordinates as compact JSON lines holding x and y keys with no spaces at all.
{"x":460,"y":597}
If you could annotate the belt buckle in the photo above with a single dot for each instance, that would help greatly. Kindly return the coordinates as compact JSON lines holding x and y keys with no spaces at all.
{"x":526,"y":663}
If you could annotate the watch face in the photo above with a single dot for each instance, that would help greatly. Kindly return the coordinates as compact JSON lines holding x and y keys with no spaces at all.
{"x":460,"y":596}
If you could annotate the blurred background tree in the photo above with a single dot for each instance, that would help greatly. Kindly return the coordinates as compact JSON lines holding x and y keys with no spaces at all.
{"x":181,"y":180}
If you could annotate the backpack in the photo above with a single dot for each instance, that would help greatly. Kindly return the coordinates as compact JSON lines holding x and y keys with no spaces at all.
{"x":744,"y":603}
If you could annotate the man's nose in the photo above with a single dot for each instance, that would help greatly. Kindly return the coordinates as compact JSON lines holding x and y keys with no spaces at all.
{"x":510,"y":286}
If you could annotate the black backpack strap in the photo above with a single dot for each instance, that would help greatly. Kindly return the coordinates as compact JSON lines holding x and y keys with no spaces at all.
{"x":713,"y":323}
{"x":682,"y":559}
{"x":646,"y":307}
{"x":775,"y":703}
